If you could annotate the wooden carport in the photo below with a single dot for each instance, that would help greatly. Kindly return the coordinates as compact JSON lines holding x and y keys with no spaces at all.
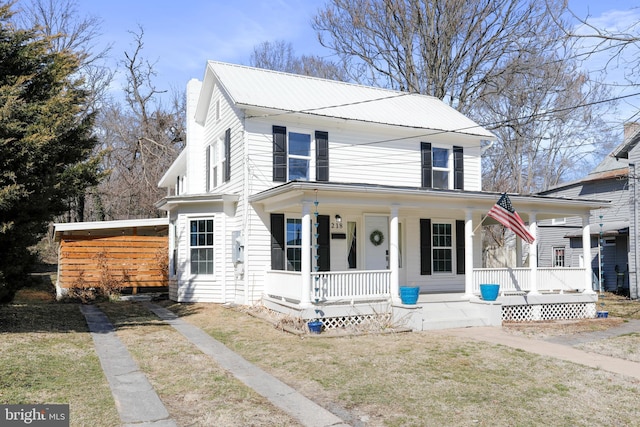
{"x":131,"y":253}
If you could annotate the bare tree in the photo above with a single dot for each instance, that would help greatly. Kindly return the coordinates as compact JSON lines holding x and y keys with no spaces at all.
{"x":506,"y":63}
{"x":447,"y":49}
{"x":280,"y":56}
{"x":140,"y":139}
{"x":545,"y":122}
{"x":68,"y":30}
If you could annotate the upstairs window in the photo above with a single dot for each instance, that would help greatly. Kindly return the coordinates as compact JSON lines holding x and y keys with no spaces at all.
{"x":294,"y":155}
{"x":218,"y":161}
{"x":299,"y":156}
{"x":442,"y":167}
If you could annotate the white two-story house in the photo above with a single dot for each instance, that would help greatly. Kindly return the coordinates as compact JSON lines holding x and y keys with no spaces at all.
{"x":321,"y":198}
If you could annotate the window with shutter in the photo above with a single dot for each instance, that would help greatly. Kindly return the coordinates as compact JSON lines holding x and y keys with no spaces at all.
{"x":442,"y":167}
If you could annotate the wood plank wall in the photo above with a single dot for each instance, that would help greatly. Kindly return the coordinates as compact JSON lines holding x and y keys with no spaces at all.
{"x":135,"y":261}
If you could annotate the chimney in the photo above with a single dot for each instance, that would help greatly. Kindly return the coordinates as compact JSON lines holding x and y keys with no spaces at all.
{"x":630,"y":130}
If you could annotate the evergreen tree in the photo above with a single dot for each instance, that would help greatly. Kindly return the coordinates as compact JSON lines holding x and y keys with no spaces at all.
{"x":45,"y":143}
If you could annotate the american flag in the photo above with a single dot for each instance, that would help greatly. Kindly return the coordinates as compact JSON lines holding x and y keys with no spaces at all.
{"x":504,"y":213}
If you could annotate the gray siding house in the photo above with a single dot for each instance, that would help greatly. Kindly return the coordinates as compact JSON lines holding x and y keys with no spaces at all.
{"x":612,"y":245}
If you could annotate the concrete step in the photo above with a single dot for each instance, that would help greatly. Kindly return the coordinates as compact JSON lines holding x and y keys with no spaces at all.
{"x":448,"y":314}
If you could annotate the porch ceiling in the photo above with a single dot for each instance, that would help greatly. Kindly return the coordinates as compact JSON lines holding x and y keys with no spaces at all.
{"x":290,"y":196}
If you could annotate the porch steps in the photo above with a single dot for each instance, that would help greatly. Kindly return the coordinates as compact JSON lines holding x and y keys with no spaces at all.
{"x":448,"y":313}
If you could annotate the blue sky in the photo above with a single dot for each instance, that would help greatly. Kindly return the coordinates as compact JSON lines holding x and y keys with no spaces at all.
{"x":180,"y":36}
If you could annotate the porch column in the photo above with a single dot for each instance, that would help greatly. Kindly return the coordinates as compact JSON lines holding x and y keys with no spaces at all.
{"x":394,"y":255}
{"x":586,"y":254}
{"x":468,"y":254}
{"x":533,"y":254}
{"x":305,"y":261}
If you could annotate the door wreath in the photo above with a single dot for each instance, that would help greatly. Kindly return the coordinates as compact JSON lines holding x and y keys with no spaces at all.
{"x":376,"y":237}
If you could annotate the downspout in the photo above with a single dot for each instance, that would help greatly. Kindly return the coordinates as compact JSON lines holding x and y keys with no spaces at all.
{"x":635,"y":234}
{"x":245,"y":214}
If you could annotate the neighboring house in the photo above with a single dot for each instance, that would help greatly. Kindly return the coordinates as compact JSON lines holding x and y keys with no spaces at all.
{"x":630,"y":152}
{"x":611,"y":254}
{"x":320,"y":198}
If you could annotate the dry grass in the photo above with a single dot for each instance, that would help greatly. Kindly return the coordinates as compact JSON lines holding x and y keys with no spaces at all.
{"x":408,"y":379}
{"x":425,"y":379}
{"x":47,"y":356}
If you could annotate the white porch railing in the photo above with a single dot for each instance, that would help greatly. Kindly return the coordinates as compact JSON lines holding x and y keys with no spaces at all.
{"x":350,"y":285}
{"x":375,"y":284}
{"x":519,"y":279}
{"x":331,"y":286}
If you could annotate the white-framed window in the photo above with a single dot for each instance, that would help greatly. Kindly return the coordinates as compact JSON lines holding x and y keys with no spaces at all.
{"x":217,"y":163}
{"x":559,"y":256}
{"x":558,"y":221}
{"x":293,"y":244}
{"x":201,"y":246}
{"x":299,"y":156}
{"x":442,"y":247}
{"x":441,"y":167}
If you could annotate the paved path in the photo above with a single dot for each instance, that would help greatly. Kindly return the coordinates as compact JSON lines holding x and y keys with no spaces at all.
{"x":563,"y":350}
{"x":136,"y":401}
{"x":307,"y":412}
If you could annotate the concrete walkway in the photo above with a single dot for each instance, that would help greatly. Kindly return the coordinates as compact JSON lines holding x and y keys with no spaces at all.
{"x":307,"y":412}
{"x":136,"y":401}
{"x":557,"y":348}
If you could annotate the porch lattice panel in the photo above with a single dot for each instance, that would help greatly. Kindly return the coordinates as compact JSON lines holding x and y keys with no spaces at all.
{"x":357,"y":321}
{"x":527,"y":313}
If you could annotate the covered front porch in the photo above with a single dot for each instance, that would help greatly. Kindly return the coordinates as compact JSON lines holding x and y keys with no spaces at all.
{"x":306,"y":291}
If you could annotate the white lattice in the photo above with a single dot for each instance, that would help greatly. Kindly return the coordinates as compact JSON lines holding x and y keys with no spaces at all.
{"x":356,"y":321}
{"x":527,"y":313}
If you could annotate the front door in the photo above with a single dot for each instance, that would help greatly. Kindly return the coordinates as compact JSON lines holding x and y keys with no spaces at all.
{"x":376,"y":242}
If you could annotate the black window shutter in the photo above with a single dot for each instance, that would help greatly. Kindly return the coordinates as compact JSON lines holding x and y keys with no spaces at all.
{"x":277,"y":242}
{"x":322,"y":156}
{"x":425,"y":247}
{"x":208,"y":167}
{"x":324,"y":240}
{"x":280,"y":153}
{"x":427,"y":164}
{"x":458,"y":168}
{"x":227,"y":155}
{"x":459,"y":247}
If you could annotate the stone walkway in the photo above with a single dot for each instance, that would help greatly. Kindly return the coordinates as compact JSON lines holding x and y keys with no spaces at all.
{"x":136,"y":400}
{"x":307,"y":412}
{"x":558,"y":347}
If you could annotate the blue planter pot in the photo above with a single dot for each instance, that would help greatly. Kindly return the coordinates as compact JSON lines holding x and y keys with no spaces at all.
{"x":409,"y":294}
{"x":489,"y":292}
{"x":315,"y":327}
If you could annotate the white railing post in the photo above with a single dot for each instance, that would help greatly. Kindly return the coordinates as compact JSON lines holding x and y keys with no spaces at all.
{"x":586,"y":254}
{"x":305,"y":256}
{"x":533,"y":254}
{"x":393,"y":256}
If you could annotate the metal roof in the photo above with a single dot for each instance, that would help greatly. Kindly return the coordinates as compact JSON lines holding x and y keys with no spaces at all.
{"x":255,"y":88}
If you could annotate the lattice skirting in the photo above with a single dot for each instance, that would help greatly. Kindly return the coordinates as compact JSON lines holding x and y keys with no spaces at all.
{"x":527,"y":313}
{"x":357,"y":321}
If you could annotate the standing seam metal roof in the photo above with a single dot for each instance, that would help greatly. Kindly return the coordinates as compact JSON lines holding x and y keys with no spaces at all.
{"x":273,"y":90}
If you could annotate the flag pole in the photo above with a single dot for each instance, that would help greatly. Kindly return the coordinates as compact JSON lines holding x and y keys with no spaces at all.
{"x":479,"y":225}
